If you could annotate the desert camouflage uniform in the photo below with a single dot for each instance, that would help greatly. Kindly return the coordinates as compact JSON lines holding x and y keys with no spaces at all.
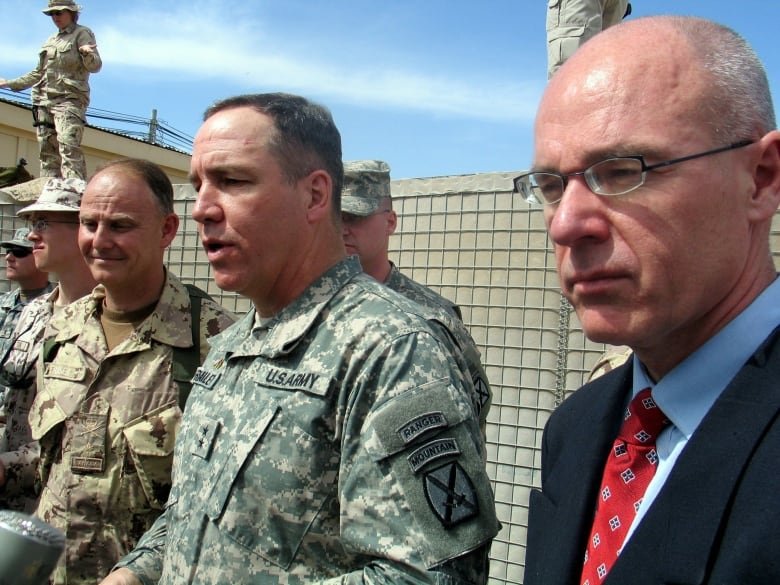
{"x":106,"y":423}
{"x":18,"y":371}
{"x":572,"y":22}
{"x":609,"y":360}
{"x":335,"y":443}
{"x":60,"y":96}
{"x":453,"y":323}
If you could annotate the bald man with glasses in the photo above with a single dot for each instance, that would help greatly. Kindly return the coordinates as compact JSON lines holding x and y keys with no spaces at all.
{"x":657,"y":169}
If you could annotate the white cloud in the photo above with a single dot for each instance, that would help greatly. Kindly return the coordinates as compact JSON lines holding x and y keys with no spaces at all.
{"x":241,"y":50}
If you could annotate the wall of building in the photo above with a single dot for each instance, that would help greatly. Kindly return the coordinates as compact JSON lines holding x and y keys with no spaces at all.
{"x":17,"y":140}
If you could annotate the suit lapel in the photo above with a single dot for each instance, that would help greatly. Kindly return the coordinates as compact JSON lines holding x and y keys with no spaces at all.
{"x":581,"y":433}
{"x":679,"y":535}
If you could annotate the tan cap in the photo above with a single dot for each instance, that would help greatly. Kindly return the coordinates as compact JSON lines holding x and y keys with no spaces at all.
{"x":366,"y":183}
{"x":57,"y":195}
{"x":55,"y":5}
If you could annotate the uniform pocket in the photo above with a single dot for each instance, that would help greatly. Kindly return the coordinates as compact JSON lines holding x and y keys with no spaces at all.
{"x":273,"y":485}
{"x":150,"y":442}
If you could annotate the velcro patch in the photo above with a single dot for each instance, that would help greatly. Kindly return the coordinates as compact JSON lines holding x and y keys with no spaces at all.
{"x":451,"y":494}
{"x":432,"y":451}
{"x":286,"y":379}
{"x":70,"y":373}
{"x":421,"y":425}
{"x":205,"y":378}
{"x":206,"y":432}
{"x":86,"y":464}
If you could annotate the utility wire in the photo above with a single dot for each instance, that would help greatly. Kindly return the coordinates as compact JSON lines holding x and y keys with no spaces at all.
{"x":136,"y":127}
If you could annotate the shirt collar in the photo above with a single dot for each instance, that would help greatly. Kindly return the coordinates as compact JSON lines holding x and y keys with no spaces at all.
{"x":688,"y":391}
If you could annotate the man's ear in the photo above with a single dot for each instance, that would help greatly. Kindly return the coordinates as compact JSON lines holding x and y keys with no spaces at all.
{"x":766,"y":176}
{"x":170,"y":227}
{"x":392,"y":222}
{"x":319,"y":186}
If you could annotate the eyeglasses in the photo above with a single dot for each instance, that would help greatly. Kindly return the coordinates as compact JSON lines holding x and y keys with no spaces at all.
{"x":613,"y":176}
{"x":19,"y":252}
{"x":40,"y":225}
{"x":56,"y":12}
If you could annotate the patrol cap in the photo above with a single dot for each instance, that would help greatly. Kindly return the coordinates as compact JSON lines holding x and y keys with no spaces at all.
{"x":57,"y":195}
{"x":366,"y":183}
{"x":55,"y":5}
{"x":19,"y":240}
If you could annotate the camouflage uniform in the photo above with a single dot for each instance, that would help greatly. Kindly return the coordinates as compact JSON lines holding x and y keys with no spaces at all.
{"x":609,"y":360}
{"x":60,"y":96}
{"x":454,"y":327}
{"x":334,"y":443}
{"x":106,"y":423}
{"x":18,"y":371}
{"x":572,"y":22}
{"x":11,"y":306}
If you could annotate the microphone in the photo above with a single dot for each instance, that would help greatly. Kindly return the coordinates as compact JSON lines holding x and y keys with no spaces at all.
{"x":29,"y":549}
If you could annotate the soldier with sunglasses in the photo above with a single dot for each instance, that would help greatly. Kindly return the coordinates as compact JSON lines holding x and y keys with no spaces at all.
{"x":19,"y":268}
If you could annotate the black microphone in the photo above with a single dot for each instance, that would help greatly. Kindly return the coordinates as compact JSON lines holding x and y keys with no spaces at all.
{"x":29,"y":549}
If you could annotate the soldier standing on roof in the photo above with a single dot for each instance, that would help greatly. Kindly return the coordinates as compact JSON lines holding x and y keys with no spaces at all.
{"x":60,"y":91}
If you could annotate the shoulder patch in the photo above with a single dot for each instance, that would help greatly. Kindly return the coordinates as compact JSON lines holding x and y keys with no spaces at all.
{"x":451,"y":494}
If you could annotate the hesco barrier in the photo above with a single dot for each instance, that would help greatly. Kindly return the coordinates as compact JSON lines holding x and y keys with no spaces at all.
{"x":470,"y":240}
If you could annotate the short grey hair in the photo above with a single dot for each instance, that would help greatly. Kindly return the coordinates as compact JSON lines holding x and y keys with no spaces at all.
{"x":739,"y":105}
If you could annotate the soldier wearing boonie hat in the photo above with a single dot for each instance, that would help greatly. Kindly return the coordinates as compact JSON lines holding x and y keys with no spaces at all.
{"x":60,"y":91}
{"x":365,"y":196}
{"x":57,"y":5}
{"x":57,"y":195}
{"x":55,"y":250}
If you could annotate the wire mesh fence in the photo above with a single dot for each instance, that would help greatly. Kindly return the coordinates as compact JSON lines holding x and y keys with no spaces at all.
{"x":468,"y":239}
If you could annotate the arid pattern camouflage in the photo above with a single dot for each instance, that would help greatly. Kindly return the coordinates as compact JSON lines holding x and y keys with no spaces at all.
{"x":609,"y":360}
{"x":106,"y":422}
{"x":21,"y":452}
{"x":336,"y":443}
{"x":62,"y":73}
{"x":60,"y":96}
{"x":452,"y":321}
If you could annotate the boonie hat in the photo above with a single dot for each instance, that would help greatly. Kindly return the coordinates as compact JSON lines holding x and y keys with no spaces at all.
{"x":19,"y":240}
{"x":366,"y":183}
{"x":57,"y":195}
{"x":55,"y":5}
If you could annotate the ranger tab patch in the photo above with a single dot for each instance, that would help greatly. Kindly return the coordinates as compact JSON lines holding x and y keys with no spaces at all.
{"x":421,"y":425}
{"x":451,"y":494}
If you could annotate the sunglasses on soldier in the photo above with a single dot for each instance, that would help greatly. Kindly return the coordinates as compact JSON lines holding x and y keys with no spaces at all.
{"x":18,"y":252}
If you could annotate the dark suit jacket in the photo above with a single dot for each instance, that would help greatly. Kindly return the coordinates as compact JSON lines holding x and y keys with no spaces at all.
{"x":716,"y":519}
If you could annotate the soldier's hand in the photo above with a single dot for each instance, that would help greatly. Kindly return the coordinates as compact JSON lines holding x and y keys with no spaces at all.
{"x":121,"y":577}
{"x":85,"y":49}
{"x":3,"y":83}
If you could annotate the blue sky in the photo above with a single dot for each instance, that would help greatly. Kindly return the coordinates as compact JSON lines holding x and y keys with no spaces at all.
{"x":433,"y":87}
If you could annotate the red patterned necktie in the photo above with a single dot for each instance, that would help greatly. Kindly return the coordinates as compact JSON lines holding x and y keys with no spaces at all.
{"x":630,"y":467}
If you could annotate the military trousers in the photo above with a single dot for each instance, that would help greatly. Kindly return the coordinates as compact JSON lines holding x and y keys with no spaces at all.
{"x":572,"y":22}
{"x":60,"y":128}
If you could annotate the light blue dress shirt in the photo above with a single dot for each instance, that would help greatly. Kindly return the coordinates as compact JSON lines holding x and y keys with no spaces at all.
{"x":688,"y":392}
